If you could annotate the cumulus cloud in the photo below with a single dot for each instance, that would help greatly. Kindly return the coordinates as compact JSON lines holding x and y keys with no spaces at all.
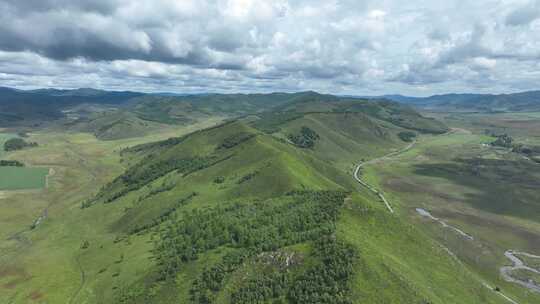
{"x":339,"y":46}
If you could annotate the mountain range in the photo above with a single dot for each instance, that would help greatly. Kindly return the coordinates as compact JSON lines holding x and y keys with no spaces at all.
{"x":515,"y":102}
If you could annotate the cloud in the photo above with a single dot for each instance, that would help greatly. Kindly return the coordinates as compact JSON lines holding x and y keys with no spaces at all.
{"x":484,"y":63}
{"x":339,"y":46}
{"x":524,"y":15}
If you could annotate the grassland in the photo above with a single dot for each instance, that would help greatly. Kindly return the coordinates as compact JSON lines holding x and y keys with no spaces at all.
{"x":346,"y":137}
{"x":487,"y":192}
{"x":105,"y":253}
{"x":45,"y":262}
{"x":523,"y":126}
{"x":401,"y":264}
{"x":20,"y":178}
{"x":383,"y":273}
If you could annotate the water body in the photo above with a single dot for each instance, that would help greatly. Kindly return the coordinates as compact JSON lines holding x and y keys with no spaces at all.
{"x":426,"y":214}
{"x":506,"y":271}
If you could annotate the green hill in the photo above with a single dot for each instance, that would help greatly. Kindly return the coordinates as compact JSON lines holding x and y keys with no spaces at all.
{"x":393,"y":112}
{"x":115,"y":115}
{"x":343,"y":137}
{"x":260,"y":209}
{"x":112,"y":125}
{"x":237,"y":215}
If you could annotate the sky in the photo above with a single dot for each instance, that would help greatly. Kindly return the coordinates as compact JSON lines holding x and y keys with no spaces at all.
{"x":353,"y":47}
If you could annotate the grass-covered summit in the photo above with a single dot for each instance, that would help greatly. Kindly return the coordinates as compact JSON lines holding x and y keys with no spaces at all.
{"x":244,"y":212}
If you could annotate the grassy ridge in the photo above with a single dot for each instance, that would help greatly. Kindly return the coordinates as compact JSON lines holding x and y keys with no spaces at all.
{"x":345,"y":138}
{"x":263,"y":154}
{"x":279,"y":224}
{"x":117,"y":115}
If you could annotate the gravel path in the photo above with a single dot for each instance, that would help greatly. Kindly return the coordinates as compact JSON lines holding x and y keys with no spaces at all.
{"x":375,"y":160}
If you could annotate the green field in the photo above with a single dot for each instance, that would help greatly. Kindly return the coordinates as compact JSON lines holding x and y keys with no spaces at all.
{"x":15,"y":178}
{"x":223,"y":214}
{"x":487,"y":192}
{"x":20,"y":178}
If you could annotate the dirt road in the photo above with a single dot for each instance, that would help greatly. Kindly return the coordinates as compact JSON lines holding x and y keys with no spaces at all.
{"x":375,"y":160}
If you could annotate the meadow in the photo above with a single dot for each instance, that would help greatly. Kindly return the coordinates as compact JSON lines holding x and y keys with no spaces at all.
{"x":487,"y":192}
{"x":28,"y":257}
{"x":16,"y":178}
{"x":103,"y":229}
{"x":523,"y":126}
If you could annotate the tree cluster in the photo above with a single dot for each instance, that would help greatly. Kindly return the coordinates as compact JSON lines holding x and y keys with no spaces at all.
{"x":504,"y":141}
{"x":147,"y":171}
{"x":212,"y":278}
{"x":235,"y":140}
{"x":219,"y":180}
{"x":247,"y":177}
{"x":326,"y":281}
{"x":155,"y":191}
{"x":306,"y":138}
{"x":165,"y":215}
{"x":258,"y":226}
{"x":14,"y":144}
{"x":11,"y":163}
{"x":407,"y":136}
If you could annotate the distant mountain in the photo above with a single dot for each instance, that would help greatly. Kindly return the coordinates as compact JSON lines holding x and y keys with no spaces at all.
{"x":111,"y":115}
{"x":524,"y":101}
{"x":36,"y":106}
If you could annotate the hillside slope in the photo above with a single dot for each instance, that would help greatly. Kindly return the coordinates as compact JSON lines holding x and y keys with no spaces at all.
{"x":237,"y":215}
{"x":261,"y":209}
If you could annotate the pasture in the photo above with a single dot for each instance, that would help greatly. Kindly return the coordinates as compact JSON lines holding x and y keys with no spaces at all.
{"x":487,"y":192}
{"x":22,"y":178}
{"x":82,"y":164}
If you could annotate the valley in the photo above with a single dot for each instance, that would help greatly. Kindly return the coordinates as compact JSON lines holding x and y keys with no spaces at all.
{"x":268,"y":207}
{"x":269,"y":152}
{"x":485,"y":194}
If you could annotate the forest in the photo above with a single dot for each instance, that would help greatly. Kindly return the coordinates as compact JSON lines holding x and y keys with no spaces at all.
{"x":251,"y":232}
